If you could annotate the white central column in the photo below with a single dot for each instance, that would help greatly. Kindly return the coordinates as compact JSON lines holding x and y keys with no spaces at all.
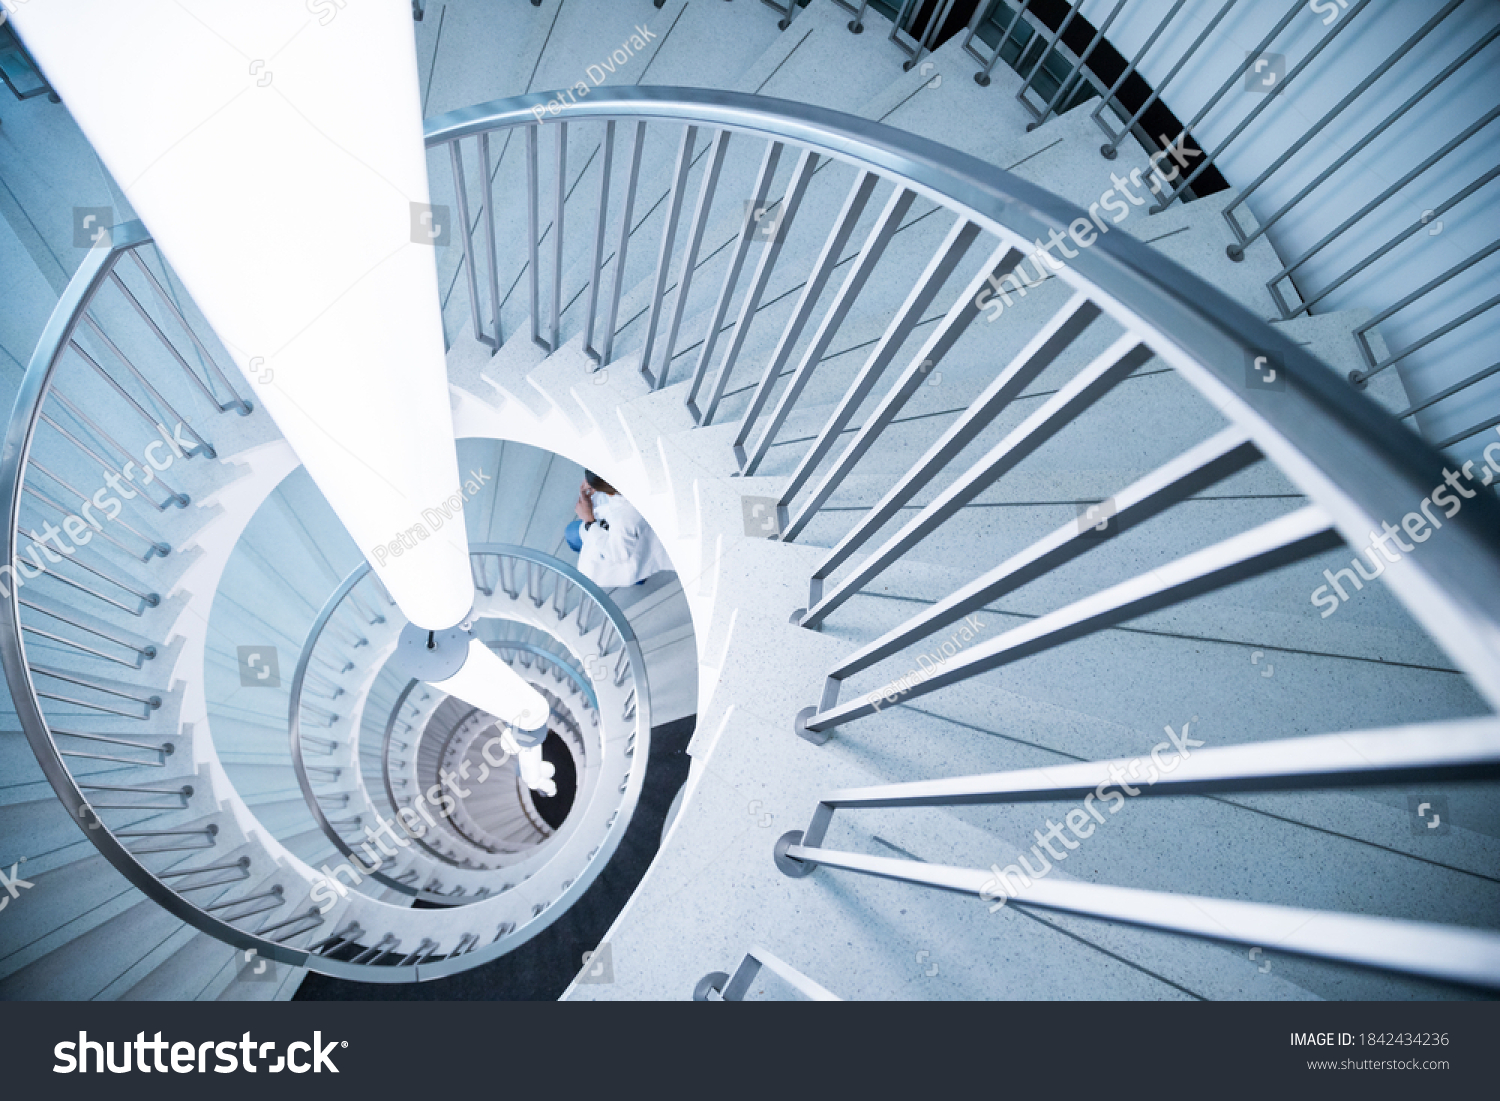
{"x":274,"y":151}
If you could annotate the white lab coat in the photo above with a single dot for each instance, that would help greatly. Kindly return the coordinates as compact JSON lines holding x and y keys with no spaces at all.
{"x":626,"y":552}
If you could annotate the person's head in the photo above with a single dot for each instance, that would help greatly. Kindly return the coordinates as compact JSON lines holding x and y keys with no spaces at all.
{"x":598,"y":483}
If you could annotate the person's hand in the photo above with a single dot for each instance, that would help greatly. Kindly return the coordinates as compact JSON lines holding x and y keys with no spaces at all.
{"x":584,"y":509}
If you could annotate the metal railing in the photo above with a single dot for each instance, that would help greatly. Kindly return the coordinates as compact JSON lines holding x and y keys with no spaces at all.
{"x":1459,"y":751}
{"x":119,"y":384}
{"x":1036,"y":52}
{"x":1352,"y":462}
{"x":116,"y":390}
{"x":1302,"y":284}
{"x":720,"y":986}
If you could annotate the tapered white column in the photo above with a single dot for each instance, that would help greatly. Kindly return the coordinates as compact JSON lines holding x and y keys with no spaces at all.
{"x":274,"y":150}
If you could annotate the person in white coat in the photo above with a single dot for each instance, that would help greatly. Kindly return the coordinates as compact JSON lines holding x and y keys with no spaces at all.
{"x":615,"y":545}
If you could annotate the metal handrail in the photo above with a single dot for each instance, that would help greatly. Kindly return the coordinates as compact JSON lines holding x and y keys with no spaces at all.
{"x":218,"y":919}
{"x":1345,"y":454}
{"x":1340,"y":449}
{"x":1078,"y":72}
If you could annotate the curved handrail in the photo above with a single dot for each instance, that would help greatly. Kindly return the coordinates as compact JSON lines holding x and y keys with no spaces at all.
{"x":1349,"y":456}
{"x":1346,"y":454}
{"x":25,"y":415}
{"x":331,"y":606}
{"x":93,"y":271}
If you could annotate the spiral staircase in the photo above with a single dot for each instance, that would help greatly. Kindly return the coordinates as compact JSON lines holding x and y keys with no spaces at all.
{"x":851,"y":464}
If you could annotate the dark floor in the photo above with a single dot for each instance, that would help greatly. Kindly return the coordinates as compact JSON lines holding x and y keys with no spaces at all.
{"x":541,"y":969}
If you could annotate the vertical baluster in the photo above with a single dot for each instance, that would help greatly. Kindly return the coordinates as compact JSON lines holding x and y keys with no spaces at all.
{"x":1109,"y":96}
{"x":731,"y":276}
{"x":906,"y":319}
{"x":1186,"y":178}
{"x":900,"y":26}
{"x":1110,"y":148}
{"x":981,"y":12}
{"x":633,"y":176}
{"x":533,"y":238}
{"x":982,"y":78}
{"x":156,"y":396}
{"x":1047,"y":48}
{"x":1237,"y":251}
{"x":166,"y":300}
{"x":1075,"y":77}
{"x":161,"y":336}
{"x":597,"y":265}
{"x":1214,"y":155}
{"x":1374,"y":204}
{"x":557,"y":230}
{"x":879,"y":237}
{"x":936,"y":20}
{"x":150,"y":421}
{"x":664,"y":257}
{"x":706,"y":194}
{"x":461,"y":195}
{"x":812,"y":289}
{"x":489,"y":232}
{"x":801,"y":176}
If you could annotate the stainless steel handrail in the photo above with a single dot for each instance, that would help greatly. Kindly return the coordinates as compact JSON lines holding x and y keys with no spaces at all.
{"x":1373,"y":129}
{"x":267,"y":939}
{"x":1340,"y":449}
{"x":1343,"y":451}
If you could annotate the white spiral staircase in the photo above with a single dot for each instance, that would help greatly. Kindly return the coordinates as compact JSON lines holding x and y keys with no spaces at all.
{"x":766,"y":407}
